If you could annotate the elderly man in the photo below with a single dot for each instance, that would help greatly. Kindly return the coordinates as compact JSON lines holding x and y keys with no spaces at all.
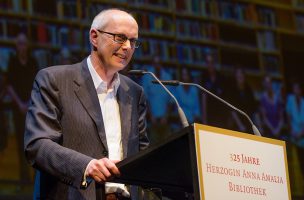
{"x":84,"y":118}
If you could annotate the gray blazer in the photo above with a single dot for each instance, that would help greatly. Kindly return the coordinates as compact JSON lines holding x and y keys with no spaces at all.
{"x":64,"y":129}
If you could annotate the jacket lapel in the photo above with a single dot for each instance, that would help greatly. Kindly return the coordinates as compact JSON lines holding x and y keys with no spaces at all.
{"x":125,"y":109}
{"x":87,"y":95}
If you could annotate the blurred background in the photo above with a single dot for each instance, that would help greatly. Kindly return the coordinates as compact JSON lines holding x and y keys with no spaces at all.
{"x":249,"y":52}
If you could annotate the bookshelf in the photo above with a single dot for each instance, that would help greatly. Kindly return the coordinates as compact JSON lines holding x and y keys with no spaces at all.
{"x":243,"y":33}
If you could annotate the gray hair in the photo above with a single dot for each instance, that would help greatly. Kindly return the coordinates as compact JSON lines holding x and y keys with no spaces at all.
{"x":100,"y":20}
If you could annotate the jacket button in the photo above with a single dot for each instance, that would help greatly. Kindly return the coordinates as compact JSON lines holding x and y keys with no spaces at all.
{"x":105,"y":153}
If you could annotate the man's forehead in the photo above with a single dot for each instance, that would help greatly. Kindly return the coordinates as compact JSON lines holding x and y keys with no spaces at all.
{"x":116,"y":14}
{"x":126,"y":25}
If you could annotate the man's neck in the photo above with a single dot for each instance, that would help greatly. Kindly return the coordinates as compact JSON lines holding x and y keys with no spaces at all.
{"x":105,"y":74}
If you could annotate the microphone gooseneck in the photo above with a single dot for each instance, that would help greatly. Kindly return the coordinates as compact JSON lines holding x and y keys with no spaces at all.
{"x":137,"y":72}
{"x":181,"y":113}
{"x":176,"y":83}
{"x":170,"y":82}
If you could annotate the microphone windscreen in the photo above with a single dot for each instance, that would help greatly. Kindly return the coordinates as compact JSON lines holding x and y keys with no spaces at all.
{"x":136,"y":72}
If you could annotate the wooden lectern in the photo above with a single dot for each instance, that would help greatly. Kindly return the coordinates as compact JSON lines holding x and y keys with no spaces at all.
{"x":212,"y":163}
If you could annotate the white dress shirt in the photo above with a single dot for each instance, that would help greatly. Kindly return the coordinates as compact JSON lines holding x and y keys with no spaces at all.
{"x":111,"y":120}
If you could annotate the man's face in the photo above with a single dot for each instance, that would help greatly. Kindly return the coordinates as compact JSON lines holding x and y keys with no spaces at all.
{"x":240,"y":76}
{"x":115,"y":56}
{"x":21,"y":44}
{"x":268,"y":84}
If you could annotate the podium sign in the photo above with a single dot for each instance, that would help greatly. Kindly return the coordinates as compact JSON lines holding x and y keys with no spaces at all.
{"x":234,"y":165}
{"x":212,"y":164}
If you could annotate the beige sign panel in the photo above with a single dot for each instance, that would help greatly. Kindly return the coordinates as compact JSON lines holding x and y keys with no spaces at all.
{"x":238,"y":166}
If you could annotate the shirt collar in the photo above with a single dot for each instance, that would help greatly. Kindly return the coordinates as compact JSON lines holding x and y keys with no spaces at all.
{"x":101,"y":85}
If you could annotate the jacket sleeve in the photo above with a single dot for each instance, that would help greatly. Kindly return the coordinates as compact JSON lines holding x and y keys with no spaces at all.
{"x":43,"y":134}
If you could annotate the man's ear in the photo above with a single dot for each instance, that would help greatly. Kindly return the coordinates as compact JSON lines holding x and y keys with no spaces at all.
{"x":93,"y":38}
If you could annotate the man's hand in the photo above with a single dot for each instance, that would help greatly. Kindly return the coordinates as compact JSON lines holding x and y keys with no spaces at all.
{"x":102,"y":170}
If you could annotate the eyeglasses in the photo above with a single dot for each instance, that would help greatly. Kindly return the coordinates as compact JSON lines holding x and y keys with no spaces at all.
{"x":121,"y":38}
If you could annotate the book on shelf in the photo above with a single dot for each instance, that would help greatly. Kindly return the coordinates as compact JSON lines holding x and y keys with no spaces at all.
{"x":67,"y":37}
{"x":144,"y":49}
{"x":298,"y":3}
{"x":154,"y":3}
{"x":197,"y":7}
{"x":194,"y":54}
{"x":190,"y":28}
{"x":75,"y":39}
{"x":196,"y":29}
{"x":5,"y":53}
{"x":143,"y":20}
{"x":56,"y":36}
{"x":12,"y":27}
{"x":20,"y":6}
{"x":43,"y":33}
{"x":180,"y":5}
{"x":30,"y":7}
{"x":86,"y":39}
{"x":266,"y":16}
{"x":3,"y":29}
{"x":67,"y":9}
{"x":94,"y":8}
{"x":163,"y":48}
{"x":155,"y":23}
{"x":59,"y":7}
{"x":63,"y":36}
{"x":240,"y":12}
{"x":271,"y":64}
{"x":44,"y":58}
{"x":209,"y":31}
{"x":300,"y":22}
{"x":194,"y":6}
{"x":266,"y":41}
{"x":81,"y":10}
{"x":227,"y":10}
{"x":52,"y":33}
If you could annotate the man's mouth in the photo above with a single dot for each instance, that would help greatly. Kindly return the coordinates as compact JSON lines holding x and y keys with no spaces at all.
{"x":122,"y":56}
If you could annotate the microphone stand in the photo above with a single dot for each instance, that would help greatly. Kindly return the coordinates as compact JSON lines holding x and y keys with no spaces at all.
{"x":181,"y":113}
{"x":176,"y":83}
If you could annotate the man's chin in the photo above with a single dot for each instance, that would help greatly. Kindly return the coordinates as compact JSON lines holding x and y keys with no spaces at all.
{"x":119,"y":66}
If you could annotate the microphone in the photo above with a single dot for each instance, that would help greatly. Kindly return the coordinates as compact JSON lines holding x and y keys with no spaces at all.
{"x":137,"y":72}
{"x":176,"y":83}
{"x":181,"y":113}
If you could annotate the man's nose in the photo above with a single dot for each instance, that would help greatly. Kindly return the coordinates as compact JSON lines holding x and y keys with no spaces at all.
{"x":127,"y":44}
